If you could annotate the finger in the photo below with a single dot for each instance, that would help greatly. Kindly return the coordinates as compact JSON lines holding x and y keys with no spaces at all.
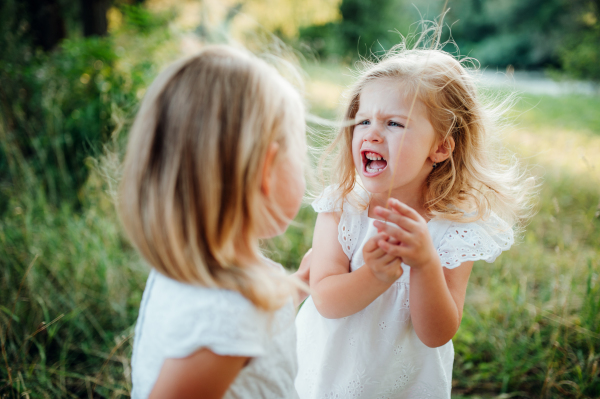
{"x":393,"y":231}
{"x":404,"y":209}
{"x":371,"y":244}
{"x":394,"y":250}
{"x":396,"y":263}
{"x":385,"y":258}
{"x":393,"y":241}
{"x":392,"y":216}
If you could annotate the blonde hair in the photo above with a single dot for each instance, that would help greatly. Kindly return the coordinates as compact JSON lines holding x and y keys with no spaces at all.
{"x":190,"y":197}
{"x":478,"y":173}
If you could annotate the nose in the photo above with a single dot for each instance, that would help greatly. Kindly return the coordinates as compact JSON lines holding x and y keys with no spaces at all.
{"x":374,"y":134}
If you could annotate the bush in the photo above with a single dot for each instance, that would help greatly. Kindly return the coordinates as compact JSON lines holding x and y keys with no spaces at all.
{"x":58,"y":108}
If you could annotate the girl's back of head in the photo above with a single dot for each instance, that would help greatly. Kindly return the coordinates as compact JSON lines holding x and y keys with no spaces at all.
{"x":190,"y":197}
{"x":477,"y":176}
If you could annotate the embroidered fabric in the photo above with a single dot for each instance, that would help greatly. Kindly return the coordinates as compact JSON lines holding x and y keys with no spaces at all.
{"x":351,"y":222}
{"x":480,"y":240}
{"x":177,"y":319}
{"x":376,"y":353}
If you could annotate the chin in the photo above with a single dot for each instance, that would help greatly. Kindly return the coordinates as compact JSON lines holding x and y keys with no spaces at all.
{"x":374,"y":187}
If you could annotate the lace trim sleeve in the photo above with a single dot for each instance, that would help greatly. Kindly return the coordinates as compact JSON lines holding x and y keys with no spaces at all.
{"x":327,"y":201}
{"x":350,"y":220}
{"x":480,"y":240}
{"x":349,"y":231}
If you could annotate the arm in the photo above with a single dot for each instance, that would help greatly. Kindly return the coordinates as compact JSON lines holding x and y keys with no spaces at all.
{"x":203,"y":374}
{"x":437,"y":295}
{"x":336,"y":292}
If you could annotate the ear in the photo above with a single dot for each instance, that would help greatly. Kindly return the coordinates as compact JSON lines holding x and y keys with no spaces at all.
{"x":267,"y":173}
{"x":442,"y":150}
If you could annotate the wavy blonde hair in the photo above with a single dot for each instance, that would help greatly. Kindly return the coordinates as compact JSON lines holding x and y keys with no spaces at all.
{"x":190,"y":197}
{"x":478,"y":175}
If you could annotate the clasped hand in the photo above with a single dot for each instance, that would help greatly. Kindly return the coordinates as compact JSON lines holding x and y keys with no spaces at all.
{"x":406,"y":241}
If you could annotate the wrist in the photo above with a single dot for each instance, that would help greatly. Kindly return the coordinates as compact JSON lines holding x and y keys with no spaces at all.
{"x":378,"y":278}
{"x":429,"y":265}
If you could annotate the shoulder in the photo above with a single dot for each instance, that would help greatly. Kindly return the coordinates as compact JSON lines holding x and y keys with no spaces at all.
{"x":185,"y":317}
{"x":483,"y":239}
{"x":331,"y":200}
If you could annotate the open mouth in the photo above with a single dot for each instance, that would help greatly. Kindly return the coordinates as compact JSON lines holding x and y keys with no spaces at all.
{"x":373,"y":163}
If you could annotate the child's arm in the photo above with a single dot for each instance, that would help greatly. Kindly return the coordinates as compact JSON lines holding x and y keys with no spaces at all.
{"x":203,"y":374}
{"x":437,"y":294}
{"x":336,"y":292}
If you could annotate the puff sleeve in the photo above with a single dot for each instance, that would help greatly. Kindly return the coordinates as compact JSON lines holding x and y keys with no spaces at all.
{"x":187,"y":318}
{"x":350,"y":220}
{"x":480,"y":240}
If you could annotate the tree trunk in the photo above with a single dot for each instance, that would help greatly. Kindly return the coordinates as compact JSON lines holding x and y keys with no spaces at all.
{"x":93,"y":15}
{"x":47,"y":23}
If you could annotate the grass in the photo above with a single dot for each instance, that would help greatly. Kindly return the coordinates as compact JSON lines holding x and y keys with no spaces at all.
{"x":70,"y":285}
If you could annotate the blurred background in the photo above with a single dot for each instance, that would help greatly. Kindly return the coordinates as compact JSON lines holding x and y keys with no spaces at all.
{"x":72,"y":74}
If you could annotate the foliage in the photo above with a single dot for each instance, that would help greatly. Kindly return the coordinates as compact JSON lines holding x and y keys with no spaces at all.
{"x":580,"y":55}
{"x":56,"y":109}
{"x":530,"y":34}
{"x":365,"y":26}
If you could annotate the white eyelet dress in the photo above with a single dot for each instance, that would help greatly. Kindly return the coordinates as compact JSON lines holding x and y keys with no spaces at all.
{"x":375,"y":353}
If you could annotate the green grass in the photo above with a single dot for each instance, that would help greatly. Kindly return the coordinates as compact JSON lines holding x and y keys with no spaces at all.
{"x":531,"y":325}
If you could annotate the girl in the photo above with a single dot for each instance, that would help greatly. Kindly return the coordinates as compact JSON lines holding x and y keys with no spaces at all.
{"x":209,"y":170}
{"x":389,"y":272}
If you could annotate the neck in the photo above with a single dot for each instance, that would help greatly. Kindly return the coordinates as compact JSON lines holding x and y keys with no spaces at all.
{"x":411,"y":196}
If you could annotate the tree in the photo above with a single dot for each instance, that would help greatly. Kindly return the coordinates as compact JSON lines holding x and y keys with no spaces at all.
{"x":46,"y":22}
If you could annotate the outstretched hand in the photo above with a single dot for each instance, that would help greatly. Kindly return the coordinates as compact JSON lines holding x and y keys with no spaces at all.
{"x":303,"y":274}
{"x":413,"y":241}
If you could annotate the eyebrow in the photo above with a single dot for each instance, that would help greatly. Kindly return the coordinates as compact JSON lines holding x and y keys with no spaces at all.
{"x":383,"y":116}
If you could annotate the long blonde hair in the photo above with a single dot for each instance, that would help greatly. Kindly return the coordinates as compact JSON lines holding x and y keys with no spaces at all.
{"x":478,"y":172}
{"x":190,"y":197}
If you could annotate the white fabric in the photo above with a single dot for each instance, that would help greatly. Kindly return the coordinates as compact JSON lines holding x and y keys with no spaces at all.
{"x":177,"y":319}
{"x":375,"y":353}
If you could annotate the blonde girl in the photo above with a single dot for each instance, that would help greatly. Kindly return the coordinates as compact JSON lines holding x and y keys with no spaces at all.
{"x":214,"y":162}
{"x":419,"y":193}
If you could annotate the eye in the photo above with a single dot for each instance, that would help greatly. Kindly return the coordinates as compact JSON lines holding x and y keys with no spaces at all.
{"x":395,"y":124}
{"x":364,"y":123}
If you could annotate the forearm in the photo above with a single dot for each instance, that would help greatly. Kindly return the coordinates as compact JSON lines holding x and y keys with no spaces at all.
{"x":434,"y":312}
{"x":345,"y":294}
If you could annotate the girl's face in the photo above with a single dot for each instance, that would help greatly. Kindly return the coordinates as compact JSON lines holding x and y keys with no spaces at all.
{"x":287,"y":188}
{"x":380,"y":124}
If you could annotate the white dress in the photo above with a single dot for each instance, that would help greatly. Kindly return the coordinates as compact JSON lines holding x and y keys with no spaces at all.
{"x":376,"y":353}
{"x":177,"y":319}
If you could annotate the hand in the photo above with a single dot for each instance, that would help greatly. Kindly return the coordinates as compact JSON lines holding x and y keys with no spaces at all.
{"x":303,"y":274}
{"x":415,"y":246}
{"x":385,"y":267}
